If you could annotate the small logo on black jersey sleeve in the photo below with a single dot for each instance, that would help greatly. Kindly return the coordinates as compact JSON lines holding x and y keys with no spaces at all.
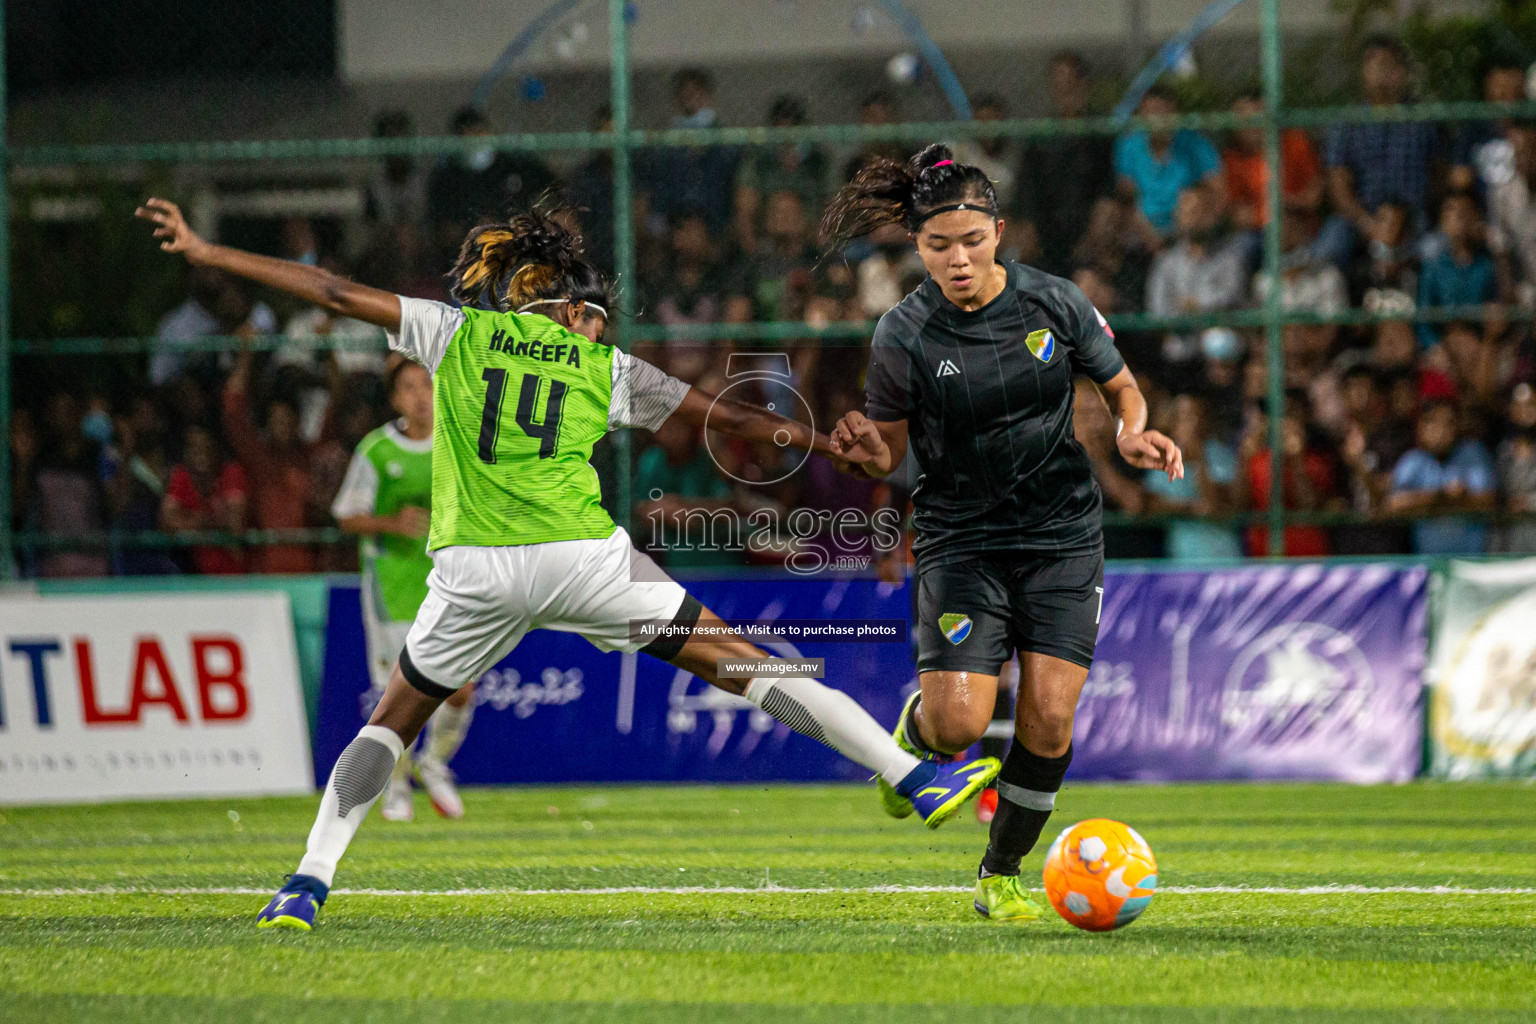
{"x":947,"y":369}
{"x":1104,"y":323}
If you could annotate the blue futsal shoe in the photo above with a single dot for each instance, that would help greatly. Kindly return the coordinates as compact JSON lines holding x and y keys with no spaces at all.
{"x":295,"y":904}
{"x":938,"y":798}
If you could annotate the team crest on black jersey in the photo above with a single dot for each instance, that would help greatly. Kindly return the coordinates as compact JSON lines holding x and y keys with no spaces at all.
{"x":1042,"y":343}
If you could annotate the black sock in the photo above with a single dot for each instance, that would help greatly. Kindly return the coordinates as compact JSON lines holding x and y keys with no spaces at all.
{"x":1026,"y":794}
{"x":1002,"y":711}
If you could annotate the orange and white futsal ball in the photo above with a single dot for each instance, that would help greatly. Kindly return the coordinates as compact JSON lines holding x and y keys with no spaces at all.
{"x":1100,"y":875}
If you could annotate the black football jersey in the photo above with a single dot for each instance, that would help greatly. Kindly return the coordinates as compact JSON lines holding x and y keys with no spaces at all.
{"x":987,"y":396}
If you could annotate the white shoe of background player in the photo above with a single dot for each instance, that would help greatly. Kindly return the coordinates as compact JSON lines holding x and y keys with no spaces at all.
{"x":437,"y":779}
{"x":397,"y":800}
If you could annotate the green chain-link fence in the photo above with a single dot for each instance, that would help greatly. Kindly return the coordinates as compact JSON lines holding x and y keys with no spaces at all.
{"x":624,"y":142}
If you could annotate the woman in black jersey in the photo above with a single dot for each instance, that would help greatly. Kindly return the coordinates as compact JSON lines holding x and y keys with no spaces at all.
{"x":974,"y":371}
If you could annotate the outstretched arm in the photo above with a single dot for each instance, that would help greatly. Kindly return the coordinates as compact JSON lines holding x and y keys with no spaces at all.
{"x":751,"y":422}
{"x":1142,"y":448}
{"x":320,"y":287}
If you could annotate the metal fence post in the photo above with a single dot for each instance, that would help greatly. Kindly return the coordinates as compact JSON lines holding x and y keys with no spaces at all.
{"x":623,"y":233}
{"x":1270,"y":31}
{"x":7,"y":560}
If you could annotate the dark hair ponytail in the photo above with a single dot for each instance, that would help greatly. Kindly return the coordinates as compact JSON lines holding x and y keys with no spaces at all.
{"x":888,"y":192}
{"x":533,"y":256}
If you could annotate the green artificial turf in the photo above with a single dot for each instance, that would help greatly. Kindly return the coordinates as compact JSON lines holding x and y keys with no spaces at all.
{"x":121,"y":949}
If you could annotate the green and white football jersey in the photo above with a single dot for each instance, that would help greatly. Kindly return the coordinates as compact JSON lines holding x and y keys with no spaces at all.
{"x":388,"y":472}
{"x":519,"y":402}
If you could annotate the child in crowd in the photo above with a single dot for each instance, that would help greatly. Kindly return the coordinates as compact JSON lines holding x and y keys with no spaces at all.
{"x":1445,"y":473}
{"x":1462,"y":274}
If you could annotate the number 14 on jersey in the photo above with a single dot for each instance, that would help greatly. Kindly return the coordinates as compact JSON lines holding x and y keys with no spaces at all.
{"x":547,"y":433}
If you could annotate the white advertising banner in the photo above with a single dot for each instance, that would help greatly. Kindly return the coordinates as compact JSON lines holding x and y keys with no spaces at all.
{"x":125,"y":697}
{"x":1484,"y":671}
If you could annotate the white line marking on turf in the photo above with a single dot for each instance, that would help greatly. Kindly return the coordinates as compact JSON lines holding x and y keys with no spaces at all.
{"x":727,"y":890}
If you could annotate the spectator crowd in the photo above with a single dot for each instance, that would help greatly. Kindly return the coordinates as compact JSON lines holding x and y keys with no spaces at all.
{"x":1410,"y":428}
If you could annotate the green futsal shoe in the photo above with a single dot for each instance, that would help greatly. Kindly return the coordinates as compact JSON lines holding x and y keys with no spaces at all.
{"x":1003,"y":899}
{"x":896,"y":805}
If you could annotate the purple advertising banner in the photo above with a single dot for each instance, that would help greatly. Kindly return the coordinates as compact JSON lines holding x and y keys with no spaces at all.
{"x":1276,"y":672}
{"x":1272,"y":672}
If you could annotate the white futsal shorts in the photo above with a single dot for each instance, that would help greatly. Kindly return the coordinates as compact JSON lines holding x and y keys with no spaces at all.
{"x":481,"y":600}
{"x":385,"y":636}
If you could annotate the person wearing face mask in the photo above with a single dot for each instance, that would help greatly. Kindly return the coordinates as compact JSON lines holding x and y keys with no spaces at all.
{"x":682,"y":179}
{"x":1203,"y":272}
{"x":973,"y":370}
{"x":480,"y":181}
{"x":522,"y":388}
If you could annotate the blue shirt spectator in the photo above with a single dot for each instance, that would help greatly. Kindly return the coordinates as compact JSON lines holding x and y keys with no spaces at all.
{"x":1376,"y":163}
{"x":1445,"y":282}
{"x":1444,"y":473}
{"x":1157,"y":165}
{"x":1389,"y":161}
{"x":1187,"y":160}
{"x":1462,"y":273}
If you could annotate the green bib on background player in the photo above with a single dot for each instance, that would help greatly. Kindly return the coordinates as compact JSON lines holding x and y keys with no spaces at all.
{"x":519,"y":401}
{"x":398,"y":565}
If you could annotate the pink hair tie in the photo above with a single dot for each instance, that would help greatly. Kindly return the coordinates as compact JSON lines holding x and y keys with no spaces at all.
{"x":943,"y":163}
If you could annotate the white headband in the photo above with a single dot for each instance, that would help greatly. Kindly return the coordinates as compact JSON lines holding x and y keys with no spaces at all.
{"x":558,"y":302}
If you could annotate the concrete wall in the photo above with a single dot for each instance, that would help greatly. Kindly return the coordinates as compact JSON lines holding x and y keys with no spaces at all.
{"x":395,"y":39}
{"x":424,"y":56}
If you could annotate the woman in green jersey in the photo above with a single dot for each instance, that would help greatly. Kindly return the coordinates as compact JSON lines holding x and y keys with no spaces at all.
{"x":519,"y":540}
{"x":386,"y":500}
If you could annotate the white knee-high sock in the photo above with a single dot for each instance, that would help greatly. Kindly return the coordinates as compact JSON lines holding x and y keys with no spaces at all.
{"x":356,"y":782}
{"x":445,"y":731}
{"x":402,"y":769}
{"x":834,"y":718}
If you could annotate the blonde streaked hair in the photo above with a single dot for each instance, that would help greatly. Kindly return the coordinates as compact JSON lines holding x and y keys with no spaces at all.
{"x":533,"y":258}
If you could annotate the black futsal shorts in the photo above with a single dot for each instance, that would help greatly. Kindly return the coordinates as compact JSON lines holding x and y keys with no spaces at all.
{"x":972,"y":615}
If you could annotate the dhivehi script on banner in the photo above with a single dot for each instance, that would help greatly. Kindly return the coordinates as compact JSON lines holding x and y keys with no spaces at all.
{"x":1484,"y":671}
{"x":106,"y":698}
{"x":1264,"y":672}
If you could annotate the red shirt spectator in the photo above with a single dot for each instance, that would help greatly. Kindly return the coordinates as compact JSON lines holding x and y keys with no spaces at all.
{"x":1301,"y":171}
{"x":278,"y":464}
{"x":200,"y":494}
{"x":1304,"y":493}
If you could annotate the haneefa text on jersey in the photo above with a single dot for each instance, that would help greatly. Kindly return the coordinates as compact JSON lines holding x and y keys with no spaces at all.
{"x":503,"y":342}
